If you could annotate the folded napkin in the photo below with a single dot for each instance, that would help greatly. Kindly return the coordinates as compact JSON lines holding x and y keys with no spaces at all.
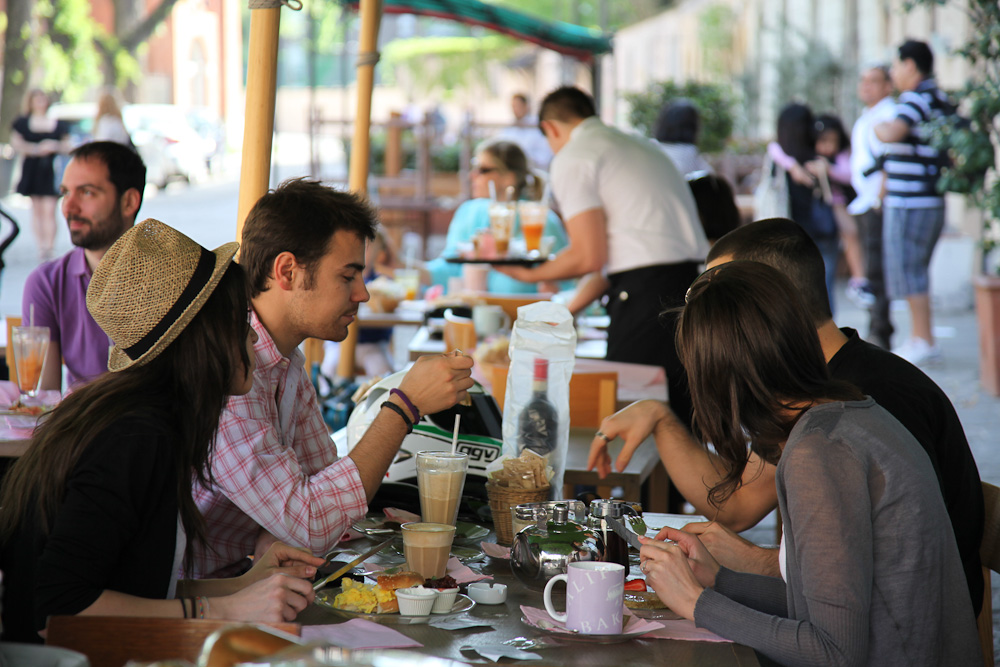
{"x":495,"y":550}
{"x":402,"y":516}
{"x":351,"y":535}
{"x":463,"y":574}
{"x":358,"y":633}
{"x":685,"y":630}
{"x":632,"y":624}
{"x":459,"y":623}
{"x":496,"y":651}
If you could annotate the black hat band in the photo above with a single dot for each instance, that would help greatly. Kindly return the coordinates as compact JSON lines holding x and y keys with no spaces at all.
{"x":199,"y":279}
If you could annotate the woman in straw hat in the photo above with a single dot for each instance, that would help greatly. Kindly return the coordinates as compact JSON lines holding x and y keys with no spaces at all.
{"x":97,"y":517}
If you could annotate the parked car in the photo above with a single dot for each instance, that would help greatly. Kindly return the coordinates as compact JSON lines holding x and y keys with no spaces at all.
{"x":170,"y":147}
{"x":213,"y":133}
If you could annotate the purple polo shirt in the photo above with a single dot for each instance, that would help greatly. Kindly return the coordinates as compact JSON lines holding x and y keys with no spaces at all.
{"x":58,"y":290}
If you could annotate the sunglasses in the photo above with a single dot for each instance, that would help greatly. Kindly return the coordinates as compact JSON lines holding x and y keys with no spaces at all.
{"x":687,"y":294}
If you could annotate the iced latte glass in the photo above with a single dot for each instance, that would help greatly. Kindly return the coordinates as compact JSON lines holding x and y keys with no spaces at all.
{"x":440,"y":480}
{"x":427,"y":547}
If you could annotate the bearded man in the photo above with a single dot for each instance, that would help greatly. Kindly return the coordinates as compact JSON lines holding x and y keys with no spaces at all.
{"x":101,"y":192}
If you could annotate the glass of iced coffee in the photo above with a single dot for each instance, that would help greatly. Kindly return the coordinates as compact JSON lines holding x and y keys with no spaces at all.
{"x":440,"y":481}
{"x":427,"y":547}
{"x":502,"y":223}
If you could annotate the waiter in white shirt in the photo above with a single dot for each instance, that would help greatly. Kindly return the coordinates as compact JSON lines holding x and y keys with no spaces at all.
{"x":629,"y":212}
{"x":867,"y":178}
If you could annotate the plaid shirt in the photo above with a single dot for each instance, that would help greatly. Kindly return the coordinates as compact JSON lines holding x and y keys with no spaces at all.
{"x":275,"y":467}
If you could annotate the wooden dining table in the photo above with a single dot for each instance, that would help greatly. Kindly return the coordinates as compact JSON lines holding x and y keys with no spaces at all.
{"x":504,"y":624}
{"x":644,"y":479}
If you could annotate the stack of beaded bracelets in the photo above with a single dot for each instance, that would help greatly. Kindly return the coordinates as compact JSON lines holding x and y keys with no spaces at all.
{"x":199,"y":607}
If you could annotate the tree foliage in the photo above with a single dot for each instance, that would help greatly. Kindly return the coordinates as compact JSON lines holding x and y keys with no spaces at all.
{"x":446,"y":63}
{"x":714,"y":104}
{"x":65,"y":51}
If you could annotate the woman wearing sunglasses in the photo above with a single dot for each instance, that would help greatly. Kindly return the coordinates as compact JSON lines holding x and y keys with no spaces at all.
{"x":503,"y":164}
{"x":871,"y":574}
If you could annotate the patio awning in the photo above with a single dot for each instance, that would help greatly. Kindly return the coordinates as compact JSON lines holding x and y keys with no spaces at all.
{"x":571,"y":40}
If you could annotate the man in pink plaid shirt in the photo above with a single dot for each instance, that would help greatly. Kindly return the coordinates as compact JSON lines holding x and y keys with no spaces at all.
{"x":275,"y":469}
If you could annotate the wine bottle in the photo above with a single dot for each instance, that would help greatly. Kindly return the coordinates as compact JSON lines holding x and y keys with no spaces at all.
{"x":538,"y":422}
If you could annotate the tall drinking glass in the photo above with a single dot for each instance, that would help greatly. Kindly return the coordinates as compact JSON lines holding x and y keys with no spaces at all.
{"x":30,"y":345}
{"x":533,"y":215}
{"x":501,"y":223}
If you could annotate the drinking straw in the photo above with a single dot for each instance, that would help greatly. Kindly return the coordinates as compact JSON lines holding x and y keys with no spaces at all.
{"x":509,"y":193}
{"x":31,"y":315}
{"x":493,"y":192}
{"x":454,"y":435}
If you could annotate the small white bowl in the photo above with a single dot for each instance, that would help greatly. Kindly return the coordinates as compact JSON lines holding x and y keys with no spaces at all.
{"x":484,"y":592}
{"x":416,"y":601}
{"x":445,"y":600}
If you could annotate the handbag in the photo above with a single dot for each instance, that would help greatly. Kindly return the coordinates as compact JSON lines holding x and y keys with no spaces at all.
{"x":770,"y":198}
{"x":822,"y":223}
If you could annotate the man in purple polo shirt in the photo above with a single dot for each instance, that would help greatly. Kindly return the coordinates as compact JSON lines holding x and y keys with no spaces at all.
{"x":101,"y":193}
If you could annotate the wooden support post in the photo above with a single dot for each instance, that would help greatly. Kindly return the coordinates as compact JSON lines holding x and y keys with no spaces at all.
{"x":260,"y":98}
{"x":371,"y":14}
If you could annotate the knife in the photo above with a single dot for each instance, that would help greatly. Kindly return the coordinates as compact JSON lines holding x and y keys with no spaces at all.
{"x":357,"y":561}
{"x":623,"y":532}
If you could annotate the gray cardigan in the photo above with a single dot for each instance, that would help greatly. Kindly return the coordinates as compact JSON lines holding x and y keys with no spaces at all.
{"x":873,"y":572}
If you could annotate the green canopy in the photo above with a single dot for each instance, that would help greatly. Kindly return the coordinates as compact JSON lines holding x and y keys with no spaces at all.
{"x":571,"y":40}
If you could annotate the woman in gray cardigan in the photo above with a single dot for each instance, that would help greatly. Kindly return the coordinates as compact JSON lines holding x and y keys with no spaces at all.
{"x":870,"y":570}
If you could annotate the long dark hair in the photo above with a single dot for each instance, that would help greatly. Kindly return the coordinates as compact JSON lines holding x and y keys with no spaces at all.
{"x":797,"y":132}
{"x":187,"y":385}
{"x":754,"y":363}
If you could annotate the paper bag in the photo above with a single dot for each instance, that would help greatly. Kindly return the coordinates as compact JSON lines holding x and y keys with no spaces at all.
{"x":543,"y":342}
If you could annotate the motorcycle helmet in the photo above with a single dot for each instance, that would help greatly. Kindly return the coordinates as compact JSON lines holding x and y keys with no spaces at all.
{"x":480,"y":434}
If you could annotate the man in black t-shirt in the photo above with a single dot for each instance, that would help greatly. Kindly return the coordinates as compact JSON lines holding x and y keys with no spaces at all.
{"x":898,"y":386}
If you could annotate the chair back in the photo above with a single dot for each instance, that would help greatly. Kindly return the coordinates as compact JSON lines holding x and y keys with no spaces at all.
{"x":511,"y":302}
{"x":989,"y":553}
{"x":592,"y":396}
{"x":459,"y":333}
{"x":12,"y":322}
{"x":111,"y":641}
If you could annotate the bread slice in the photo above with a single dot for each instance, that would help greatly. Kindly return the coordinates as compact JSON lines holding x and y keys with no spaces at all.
{"x":387,"y":584}
{"x":391,"y":582}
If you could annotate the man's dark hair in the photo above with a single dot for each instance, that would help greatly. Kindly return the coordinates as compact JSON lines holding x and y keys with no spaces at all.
{"x":125,"y":168}
{"x":677,"y":123}
{"x":920,"y":53}
{"x":785,"y":246}
{"x":300,"y":216}
{"x":521,"y":97}
{"x":567,"y":104}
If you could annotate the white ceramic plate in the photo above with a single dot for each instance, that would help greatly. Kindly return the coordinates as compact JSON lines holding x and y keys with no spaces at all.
{"x":325,"y":597}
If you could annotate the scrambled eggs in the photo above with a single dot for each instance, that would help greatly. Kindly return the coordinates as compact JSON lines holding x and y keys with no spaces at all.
{"x":364,"y":598}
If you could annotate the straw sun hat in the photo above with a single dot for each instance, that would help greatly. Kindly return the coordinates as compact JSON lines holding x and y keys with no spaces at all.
{"x":149,"y":286}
